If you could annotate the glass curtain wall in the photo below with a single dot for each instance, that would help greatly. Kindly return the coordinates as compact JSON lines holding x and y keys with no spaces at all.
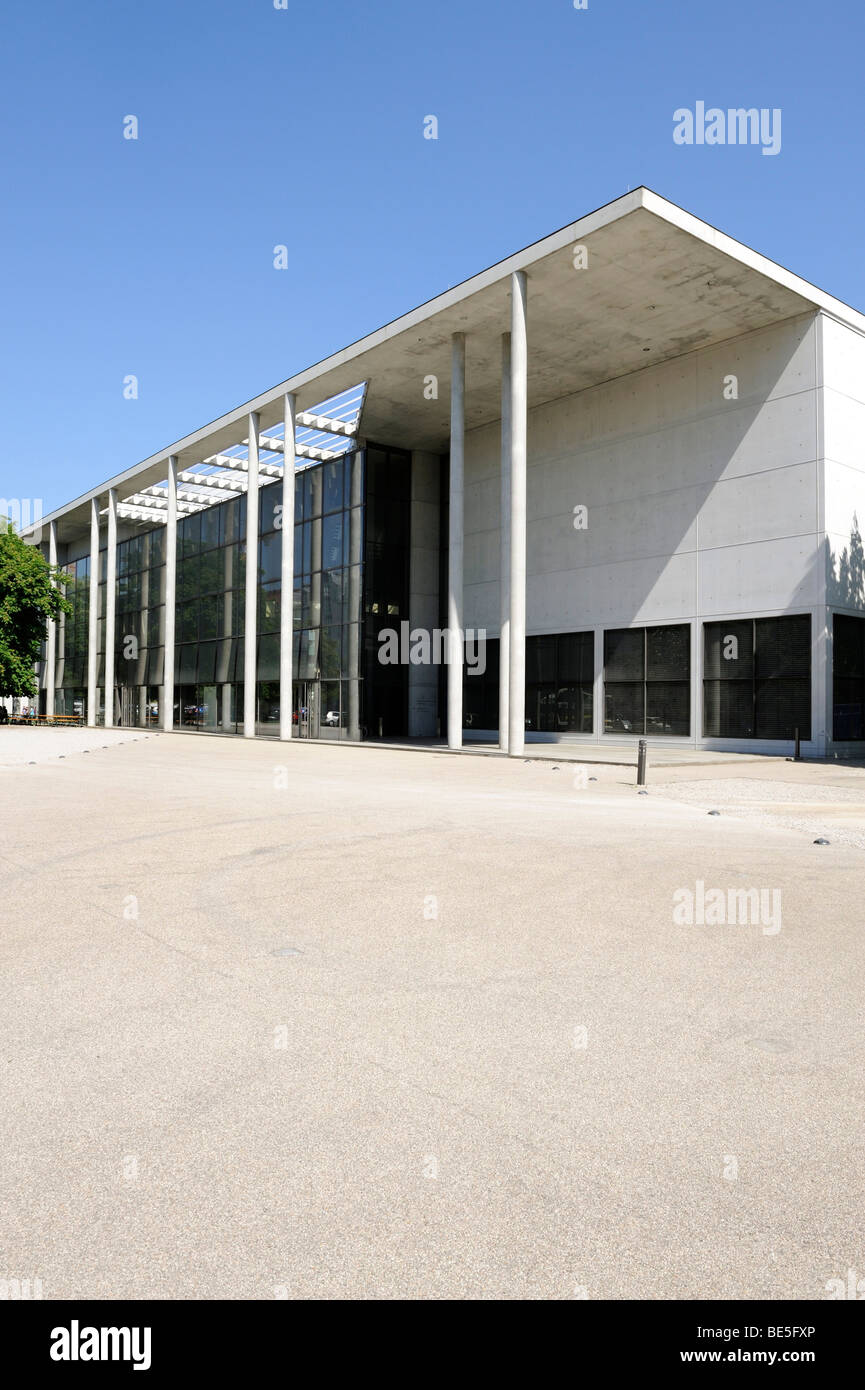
{"x":210,"y":618}
{"x":139,"y":628}
{"x":70,"y":696}
{"x":328,"y":574}
{"x":210,"y":611}
{"x":386,"y":587}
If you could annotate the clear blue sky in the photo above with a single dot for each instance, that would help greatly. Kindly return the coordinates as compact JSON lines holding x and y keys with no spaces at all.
{"x":305,"y":127}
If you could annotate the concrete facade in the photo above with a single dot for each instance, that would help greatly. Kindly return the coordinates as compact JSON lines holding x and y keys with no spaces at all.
{"x":699,"y":507}
{"x":694,"y":459}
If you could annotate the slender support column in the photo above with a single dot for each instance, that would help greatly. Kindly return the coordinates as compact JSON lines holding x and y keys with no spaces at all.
{"x":505,"y":546}
{"x":51,"y":638}
{"x":250,"y":633}
{"x":141,"y":663}
{"x":455,"y":542}
{"x":355,"y":557}
{"x":286,"y":605}
{"x":230,"y":575}
{"x":110,"y":606}
{"x":170,"y":597}
{"x":93,"y":619}
{"x":519,"y":408}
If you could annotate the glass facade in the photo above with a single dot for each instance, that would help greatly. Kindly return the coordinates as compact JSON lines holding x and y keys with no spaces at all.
{"x":139,"y":628}
{"x":209,"y":618}
{"x":70,"y":696}
{"x":647,"y":680}
{"x":385,"y":587}
{"x":352,"y":537}
{"x":351,"y":547}
{"x":328,"y":586}
{"x":848,"y":677}
{"x":757,"y":678}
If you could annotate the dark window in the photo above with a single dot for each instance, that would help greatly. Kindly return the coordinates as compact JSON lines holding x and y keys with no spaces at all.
{"x":559,"y":684}
{"x":481,"y":689}
{"x":269,"y":498}
{"x":647,"y":680}
{"x":848,"y":677}
{"x":757,"y":678}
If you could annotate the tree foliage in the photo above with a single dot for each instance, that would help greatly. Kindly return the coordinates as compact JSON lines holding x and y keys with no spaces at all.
{"x":28,"y":601}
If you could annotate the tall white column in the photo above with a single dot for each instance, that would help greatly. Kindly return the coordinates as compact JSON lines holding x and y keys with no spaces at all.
{"x":51,"y":638}
{"x":170,"y":597}
{"x":519,"y":408}
{"x":250,"y":632}
{"x":143,"y":654}
{"x":455,"y":541}
{"x":286,"y":604}
{"x":93,"y":619}
{"x":505,"y":547}
{"x":110,"y":606}
{"x":355,"y":593}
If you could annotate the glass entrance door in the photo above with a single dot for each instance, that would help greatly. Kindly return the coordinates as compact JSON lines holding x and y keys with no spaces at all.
{"x":128,"y":712}
{"x":305,"y":709}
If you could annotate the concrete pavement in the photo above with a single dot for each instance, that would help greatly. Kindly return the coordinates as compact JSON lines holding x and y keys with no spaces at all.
{"x":336,"y":1022}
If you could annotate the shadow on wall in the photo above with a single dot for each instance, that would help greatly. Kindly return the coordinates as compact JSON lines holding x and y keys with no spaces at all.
{"x":845,"y":572}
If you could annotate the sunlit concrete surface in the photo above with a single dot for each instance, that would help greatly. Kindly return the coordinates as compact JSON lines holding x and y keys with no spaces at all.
{"x":825,"y":802}
{"x":305,"y":1021}
{"x":21,"y":743}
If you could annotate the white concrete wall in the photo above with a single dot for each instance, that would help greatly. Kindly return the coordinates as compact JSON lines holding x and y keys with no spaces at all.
{"x":844,"y":448}
{"x":698,"y":506}
{"x":842,"y":359}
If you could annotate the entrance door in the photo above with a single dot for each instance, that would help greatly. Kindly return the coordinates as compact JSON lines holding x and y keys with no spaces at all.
{"x":305,"y":709}
{"x":128,"y":706}
{"x":300,"y":710}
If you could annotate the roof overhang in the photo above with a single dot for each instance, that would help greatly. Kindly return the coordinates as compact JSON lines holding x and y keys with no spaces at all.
{"x":658,"y":283}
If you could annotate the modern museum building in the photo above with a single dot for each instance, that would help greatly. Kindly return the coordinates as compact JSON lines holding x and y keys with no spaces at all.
{"x":610,"y":488}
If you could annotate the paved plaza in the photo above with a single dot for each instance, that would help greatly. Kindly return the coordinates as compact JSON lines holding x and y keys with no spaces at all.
{"x":352,"y":1022}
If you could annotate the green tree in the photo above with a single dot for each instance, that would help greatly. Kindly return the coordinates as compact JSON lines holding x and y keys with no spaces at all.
{"x":28,"y":600}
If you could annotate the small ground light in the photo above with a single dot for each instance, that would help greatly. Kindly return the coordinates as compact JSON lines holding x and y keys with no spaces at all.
{"x":642,"y":792}
{"x":714,"y":813}
{"x":593,"y":779}
{"x":822,"y":842}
